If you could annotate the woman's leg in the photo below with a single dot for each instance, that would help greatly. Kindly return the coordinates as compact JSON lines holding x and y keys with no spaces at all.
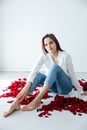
{"x":37,"y":100}
{"x":57,"y":76}
{"x":14,"y":106}
{"x":58,"y":80}
{"x":39,"y":79}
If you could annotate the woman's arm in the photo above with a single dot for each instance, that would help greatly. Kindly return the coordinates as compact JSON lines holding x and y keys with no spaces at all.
{"x":24,"y":92}
{"x":72,"y":74}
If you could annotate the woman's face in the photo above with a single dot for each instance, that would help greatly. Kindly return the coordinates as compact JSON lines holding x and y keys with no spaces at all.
{"x":50,"y":45}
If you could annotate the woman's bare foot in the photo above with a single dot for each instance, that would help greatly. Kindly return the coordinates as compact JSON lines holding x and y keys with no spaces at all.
{"x":31,"y":106}
{"x":14,"y":106}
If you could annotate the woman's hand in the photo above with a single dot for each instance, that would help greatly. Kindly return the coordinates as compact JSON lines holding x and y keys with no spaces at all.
{"x":23,"y":93}
{"x":84,"y":93}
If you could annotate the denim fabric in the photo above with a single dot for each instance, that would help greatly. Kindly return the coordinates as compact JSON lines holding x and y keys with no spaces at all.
{"x":38,"y":80}
{"x":57,"y":80}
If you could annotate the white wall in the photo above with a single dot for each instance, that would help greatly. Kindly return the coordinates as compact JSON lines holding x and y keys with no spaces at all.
{"x":24,"y":22}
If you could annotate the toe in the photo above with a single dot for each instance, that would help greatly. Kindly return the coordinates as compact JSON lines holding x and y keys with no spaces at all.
{"x":5,"y":114}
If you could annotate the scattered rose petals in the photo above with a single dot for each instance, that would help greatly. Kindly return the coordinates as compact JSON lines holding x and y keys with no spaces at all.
{"x":83,"y":83}
{"x":75,"y":105}
{"x":16,"y":86}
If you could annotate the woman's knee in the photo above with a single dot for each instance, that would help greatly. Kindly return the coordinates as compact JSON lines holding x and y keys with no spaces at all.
{"x":56,"y":67}
{"x":40,"y":77}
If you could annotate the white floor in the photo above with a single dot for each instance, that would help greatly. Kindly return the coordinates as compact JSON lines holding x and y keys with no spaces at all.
{"x":29,"y":120}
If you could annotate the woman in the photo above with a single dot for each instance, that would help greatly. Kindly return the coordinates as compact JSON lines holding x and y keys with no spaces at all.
{"x":60,"y":77}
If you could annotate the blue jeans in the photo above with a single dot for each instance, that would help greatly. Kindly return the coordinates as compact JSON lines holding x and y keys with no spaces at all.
{"x":56,"y":79}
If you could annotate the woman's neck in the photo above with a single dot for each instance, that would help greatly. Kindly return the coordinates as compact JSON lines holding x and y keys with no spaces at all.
{"x":54,"y":54}
{"x":55,"y":57}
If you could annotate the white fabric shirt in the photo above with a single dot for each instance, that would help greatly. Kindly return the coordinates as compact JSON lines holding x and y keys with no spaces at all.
{"x":64,"y":61}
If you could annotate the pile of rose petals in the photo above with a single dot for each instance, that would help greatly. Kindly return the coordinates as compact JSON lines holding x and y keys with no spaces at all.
{"x":72,"y":104}
{"x":14,"y":88}
{"x":59,"y":103}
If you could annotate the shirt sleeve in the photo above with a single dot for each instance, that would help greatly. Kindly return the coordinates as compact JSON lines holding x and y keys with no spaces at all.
{"x":36,"y":68}
{"x":72,"y":74}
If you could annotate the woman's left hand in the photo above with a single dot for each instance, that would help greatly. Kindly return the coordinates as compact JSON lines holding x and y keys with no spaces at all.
{"x":84,"y":93}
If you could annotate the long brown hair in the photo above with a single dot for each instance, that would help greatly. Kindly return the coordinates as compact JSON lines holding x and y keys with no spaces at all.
{"x":52,"y":36}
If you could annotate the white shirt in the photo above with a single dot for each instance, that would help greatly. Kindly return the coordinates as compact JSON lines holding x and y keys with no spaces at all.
{"x":64,"y":61}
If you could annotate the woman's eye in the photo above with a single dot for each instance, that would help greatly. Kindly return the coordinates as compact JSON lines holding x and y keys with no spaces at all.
{"x":45,"y":44}
{"x":50,"y":43}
